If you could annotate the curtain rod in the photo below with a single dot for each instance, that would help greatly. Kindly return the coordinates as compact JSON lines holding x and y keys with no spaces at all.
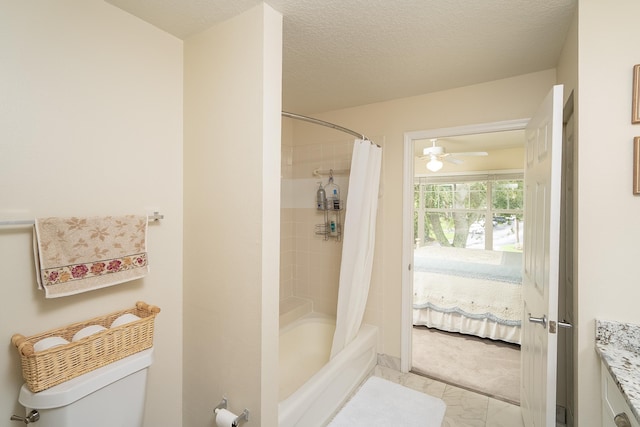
{"x":327,"y":124}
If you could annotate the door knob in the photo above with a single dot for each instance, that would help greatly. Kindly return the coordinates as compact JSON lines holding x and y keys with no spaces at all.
{"x":539,"y":320}
{"x":553,"y":326}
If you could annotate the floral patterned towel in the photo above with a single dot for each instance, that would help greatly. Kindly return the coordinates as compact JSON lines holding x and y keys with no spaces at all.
{"x":75,"y":255}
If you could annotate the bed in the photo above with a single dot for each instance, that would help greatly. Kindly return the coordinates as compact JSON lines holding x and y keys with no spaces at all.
{"x":470,"y":291}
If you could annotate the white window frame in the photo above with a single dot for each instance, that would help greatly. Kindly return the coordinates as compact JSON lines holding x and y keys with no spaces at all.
{"x":489,"y":211}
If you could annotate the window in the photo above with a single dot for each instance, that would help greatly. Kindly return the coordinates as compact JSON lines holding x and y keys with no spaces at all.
{"x":475,"y":212}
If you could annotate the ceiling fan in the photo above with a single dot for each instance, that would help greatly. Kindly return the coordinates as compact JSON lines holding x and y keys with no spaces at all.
{"x":436,"y":154}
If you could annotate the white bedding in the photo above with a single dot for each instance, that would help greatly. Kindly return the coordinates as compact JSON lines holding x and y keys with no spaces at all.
{"x":481,"y":307}
{"x":455,"y":322}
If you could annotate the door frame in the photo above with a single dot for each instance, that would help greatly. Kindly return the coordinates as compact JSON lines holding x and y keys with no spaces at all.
{"x":407,"y":217}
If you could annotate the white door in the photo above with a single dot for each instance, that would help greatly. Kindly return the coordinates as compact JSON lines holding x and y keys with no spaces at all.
{"x":541,"y":262}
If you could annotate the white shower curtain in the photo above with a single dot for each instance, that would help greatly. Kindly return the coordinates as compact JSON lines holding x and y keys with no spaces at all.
{"x":358,"y":242}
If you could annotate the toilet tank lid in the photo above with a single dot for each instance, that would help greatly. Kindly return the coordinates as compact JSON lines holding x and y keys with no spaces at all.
{"x":76,"y":388}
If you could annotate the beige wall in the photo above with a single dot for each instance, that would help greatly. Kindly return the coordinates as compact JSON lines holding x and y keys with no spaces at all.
{"x":607,"y":233}
{"x":386,"y":123}
{"x":232,"y":225}
{"x":90,"y":124}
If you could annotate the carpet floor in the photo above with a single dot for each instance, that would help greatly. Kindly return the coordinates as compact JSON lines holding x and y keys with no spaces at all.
{"x":481,"y":365}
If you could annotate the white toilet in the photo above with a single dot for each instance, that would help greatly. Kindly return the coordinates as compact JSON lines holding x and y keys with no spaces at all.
{"x":111,"y":396}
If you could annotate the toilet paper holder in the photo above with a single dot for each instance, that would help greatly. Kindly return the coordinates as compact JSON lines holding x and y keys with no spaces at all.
{"x":240,"y":419}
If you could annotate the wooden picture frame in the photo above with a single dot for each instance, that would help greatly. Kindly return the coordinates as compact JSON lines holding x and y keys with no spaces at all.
{"x":635,"y":107}
{"x":636,"y":165}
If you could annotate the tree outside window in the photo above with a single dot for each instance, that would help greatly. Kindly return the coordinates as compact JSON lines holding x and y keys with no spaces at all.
{"x":483,"y":213}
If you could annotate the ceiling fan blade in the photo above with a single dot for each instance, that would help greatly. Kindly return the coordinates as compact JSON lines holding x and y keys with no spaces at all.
{"x":471,"y":153}
{"x":453,"y":160}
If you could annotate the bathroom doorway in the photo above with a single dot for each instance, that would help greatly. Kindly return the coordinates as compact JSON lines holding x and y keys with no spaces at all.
{"x":465,"y":256}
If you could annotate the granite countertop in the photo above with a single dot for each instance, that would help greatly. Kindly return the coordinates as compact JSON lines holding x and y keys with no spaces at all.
{"x":618,"y":344}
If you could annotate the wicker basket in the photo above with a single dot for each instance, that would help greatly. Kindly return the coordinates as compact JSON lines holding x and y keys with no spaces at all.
{"x":47,"y":368}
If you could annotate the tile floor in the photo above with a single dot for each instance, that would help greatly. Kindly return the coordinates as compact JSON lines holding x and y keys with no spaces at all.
{"x":464,"y":408}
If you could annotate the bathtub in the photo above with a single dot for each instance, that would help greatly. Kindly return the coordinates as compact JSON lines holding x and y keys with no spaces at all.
{"x":312,"y":387}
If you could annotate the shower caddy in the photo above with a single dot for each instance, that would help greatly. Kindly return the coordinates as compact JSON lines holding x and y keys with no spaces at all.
{"x":331,"y":206}
{"x":326,"y":229}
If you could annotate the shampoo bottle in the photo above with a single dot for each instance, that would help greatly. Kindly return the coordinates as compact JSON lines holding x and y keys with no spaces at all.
{"x":321,"y":198}
{"x":333,"y":195}
{"x":333,"y":227}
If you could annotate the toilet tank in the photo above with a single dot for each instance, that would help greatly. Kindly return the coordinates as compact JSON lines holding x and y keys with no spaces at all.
{"x":111,"y":396}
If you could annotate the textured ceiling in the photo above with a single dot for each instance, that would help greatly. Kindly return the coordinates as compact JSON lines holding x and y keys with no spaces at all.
{"x":343,"y":53}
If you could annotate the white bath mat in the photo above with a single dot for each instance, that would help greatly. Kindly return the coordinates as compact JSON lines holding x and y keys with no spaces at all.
{"x":382,"y":403}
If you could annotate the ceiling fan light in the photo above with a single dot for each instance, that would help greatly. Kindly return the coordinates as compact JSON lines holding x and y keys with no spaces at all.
{"x":434,"y":165}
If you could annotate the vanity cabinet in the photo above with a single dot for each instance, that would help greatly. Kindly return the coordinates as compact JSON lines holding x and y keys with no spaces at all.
{"x":615,"y":410}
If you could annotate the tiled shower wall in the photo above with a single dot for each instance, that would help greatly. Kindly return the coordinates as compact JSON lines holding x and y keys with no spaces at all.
{"x":309,"y":264}
{"x":287,"y":245}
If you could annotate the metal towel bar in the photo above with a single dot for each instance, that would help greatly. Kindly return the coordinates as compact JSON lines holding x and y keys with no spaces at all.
{"x":157,"y":216}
